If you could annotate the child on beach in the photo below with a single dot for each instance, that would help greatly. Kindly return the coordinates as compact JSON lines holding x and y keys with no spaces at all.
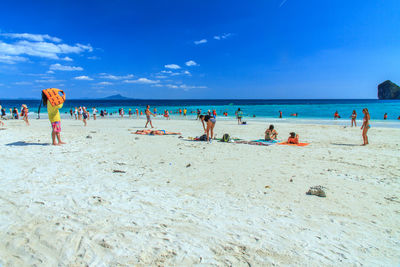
{"x":24,"y":114}
{"x":293,"y":138}
{"x":385,"y":116}
{"x":365,"y":126}
{"x":271,"y":133}
{"x":55,"y":120}
{"x":353,"y":118}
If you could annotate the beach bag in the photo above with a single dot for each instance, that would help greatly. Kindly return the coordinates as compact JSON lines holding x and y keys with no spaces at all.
{"x":226,"y":138}
{"x":203,"y":137}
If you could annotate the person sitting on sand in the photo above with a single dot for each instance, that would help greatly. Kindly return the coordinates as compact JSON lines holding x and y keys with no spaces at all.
{"x":293,"y":138}
{"x":271,"y":133}
{"x":210,"y":121}
{"x":24,"y":114}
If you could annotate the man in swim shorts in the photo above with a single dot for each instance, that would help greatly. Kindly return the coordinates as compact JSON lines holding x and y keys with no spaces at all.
{"x":148,"y":114}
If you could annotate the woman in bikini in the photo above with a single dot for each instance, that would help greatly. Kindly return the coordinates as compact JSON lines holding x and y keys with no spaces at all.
{"x":365,"y":127}
{"x":209,"y":130}
{"x":271,"y":133}
{"x":24,"y":114}
{"x":84,"y":115}
{"x":353,"y":118}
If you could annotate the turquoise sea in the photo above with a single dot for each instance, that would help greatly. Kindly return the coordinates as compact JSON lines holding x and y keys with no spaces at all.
{"x":313,"y":110}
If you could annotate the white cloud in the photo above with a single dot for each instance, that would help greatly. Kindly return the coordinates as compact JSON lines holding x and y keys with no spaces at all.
{"x":48,"y":81}
{"x":50,"y":72}
{"x":187,"y":72}
{"x":172,"y":66}
{"x":167,"y":71}
{"x":183,"y":86}
{"x":142,"y":81}
{"x":23,"y":83}
{"x":32,"y":37}
{"x":93,"y":58}
{"x":191,"y":63}
{"x":11,"y":59}
{"x":188,"y":87}
{"x":222,"y":36}
{"x":83,"y":78}
{"x":104,"y":83}
{"x":161,"y":76}
{"x":202,"y":41}
{"x":37,"y":45}
{"x":58,"y":66}
{"x":115,"y":77}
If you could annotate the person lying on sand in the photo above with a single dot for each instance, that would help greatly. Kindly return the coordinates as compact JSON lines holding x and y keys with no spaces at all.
{"x":271,"y":133}
{"x":155,"y":132}
{"x":293,"y":138}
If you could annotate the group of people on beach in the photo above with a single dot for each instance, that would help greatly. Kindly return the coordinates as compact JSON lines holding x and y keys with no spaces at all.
{"x":208,"y":119}
{"x":15,"y":114}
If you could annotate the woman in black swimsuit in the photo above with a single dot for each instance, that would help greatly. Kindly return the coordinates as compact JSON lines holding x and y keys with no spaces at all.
{"x":210,"y":121}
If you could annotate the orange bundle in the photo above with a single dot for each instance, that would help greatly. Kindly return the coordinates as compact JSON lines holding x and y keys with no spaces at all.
{"x":54,"y":97}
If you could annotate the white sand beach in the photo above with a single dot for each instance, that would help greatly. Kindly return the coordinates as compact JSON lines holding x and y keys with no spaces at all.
{"x":175,"y":202}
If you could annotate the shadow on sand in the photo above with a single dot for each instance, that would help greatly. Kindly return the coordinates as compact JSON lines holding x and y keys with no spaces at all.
{"x":23,"y":143}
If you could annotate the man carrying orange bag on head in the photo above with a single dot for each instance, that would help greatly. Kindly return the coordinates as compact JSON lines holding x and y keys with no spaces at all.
{"x":53,"y":101}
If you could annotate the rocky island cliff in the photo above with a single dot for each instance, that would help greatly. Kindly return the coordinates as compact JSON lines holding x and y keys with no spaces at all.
{"x":388,"y":90}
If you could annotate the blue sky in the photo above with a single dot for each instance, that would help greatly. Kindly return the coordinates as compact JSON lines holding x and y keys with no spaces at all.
{"x":199,"y":49}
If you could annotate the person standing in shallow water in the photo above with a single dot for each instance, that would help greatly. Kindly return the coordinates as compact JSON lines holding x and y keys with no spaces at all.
{"x":353,"y":118}
{"x":365,"y":127}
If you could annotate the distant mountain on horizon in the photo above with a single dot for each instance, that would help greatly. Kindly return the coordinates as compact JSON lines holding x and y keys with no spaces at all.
{"x":116,"y":97}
